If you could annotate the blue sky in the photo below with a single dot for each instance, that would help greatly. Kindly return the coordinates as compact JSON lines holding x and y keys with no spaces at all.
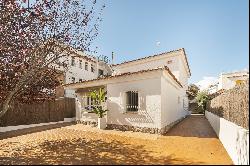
{"x":214,"y":33}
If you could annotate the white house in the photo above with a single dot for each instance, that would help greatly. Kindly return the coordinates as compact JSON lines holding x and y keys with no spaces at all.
{"x":147,"y":94}
{"x":81,"y":67}
{"x":229,"y":80}
{"x":225,"y":81}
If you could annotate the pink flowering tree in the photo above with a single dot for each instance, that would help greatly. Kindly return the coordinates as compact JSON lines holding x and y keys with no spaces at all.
{"x":34,"y":35}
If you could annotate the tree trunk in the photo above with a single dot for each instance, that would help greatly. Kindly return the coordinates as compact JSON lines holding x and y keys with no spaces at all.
{"x":6,"y":103}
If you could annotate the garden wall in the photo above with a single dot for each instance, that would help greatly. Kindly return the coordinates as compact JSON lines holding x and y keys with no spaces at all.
{"x":232,"y":105}
{"x":234,"y":138}
{"x":49,"y":111}
{"x":228,"y":114}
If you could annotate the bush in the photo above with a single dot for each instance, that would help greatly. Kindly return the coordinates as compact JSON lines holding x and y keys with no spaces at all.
{"x":202,"y":99}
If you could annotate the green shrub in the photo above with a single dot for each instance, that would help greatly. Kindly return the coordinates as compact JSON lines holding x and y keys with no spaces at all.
{"x":98,"y":98}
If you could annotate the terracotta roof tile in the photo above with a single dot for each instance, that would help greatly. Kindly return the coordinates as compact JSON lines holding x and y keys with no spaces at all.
{"x":128,"y":73}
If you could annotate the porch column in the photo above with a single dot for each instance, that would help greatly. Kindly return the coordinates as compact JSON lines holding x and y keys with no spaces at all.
{"x":78,"y":106}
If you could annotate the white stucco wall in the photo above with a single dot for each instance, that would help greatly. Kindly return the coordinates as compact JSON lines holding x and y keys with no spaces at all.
{"x":171,"y":110}
{"x":234,"y":138}
{"x":149,"y":103}
{"x":183,"y":75}
{"x":150,"y":63}
{"x":158,"y":101}
{"x":177,"y":65}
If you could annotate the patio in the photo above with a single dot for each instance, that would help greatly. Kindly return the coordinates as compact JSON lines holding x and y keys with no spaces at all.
{"x":192,"y":141}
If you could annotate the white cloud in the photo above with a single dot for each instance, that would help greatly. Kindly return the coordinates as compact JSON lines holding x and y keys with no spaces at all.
{"x":206,"y":81}
{"x":158,"y":43}
{"x":246,"y":69}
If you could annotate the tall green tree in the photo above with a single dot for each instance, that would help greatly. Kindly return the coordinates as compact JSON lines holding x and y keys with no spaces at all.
{"x":192,"y":91}
{"x":202,"y":99}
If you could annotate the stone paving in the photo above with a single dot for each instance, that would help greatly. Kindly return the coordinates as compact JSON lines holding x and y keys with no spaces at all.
{"x":192,"y":141}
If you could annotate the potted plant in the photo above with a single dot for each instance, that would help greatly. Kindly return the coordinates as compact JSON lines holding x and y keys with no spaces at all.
{"x":99,"y":97}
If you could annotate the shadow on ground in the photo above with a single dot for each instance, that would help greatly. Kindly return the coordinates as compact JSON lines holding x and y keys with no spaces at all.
{"x":10,"y":134}
{"x":82,"y":151}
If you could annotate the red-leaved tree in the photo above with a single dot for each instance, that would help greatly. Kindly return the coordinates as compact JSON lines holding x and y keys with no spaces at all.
{"x":33,"y":36}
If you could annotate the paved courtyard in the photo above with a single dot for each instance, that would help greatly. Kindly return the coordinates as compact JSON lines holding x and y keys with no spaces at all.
{"x":192,"y":141}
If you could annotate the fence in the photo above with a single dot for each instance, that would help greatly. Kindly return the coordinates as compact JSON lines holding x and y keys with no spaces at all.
{"x":232,"y":105}
{"x":49,"y":111}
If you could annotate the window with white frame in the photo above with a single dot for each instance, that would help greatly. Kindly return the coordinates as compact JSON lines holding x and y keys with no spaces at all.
{"x":86,"y":65}
{"x":92,"y":68}
{"x":88,"y":103}
{"x":132,"y":103}
{"x":80,"y":63}
{"x":100,"y":72}
{"x":73,"y":61}
{"x":73,"y":79}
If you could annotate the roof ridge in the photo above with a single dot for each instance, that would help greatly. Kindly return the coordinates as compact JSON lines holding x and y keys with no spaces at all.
{"x":150,"y":56}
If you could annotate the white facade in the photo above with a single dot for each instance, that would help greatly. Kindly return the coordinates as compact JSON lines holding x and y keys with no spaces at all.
{"x":148,"y":114}
{"x":229,"y":80}
{"x":81,"y":67}
{"x":175,"y":61}
{"x":160,"y":82}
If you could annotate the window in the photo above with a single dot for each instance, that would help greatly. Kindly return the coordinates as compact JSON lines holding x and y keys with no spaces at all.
{"x":169,"y":62}
{"x":132,"y":101}
{"x":88,"y":104}
{"x":86,"y":65}
{"x":64,"y":64}
{"x":100,"y":72}
{"x":73,"y":79}
{"x":88,"y":98}
{"x":73,"y":61}
{"x":80,"y":64}
{"x":92,"y":68}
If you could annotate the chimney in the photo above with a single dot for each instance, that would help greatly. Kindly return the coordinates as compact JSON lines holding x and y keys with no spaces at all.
{"x":113,"y":57}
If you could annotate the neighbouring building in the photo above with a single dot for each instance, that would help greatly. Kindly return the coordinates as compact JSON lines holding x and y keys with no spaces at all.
{"x":229,"y":80}
{"x":81,"y":67}
{"x":146,"y":94}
